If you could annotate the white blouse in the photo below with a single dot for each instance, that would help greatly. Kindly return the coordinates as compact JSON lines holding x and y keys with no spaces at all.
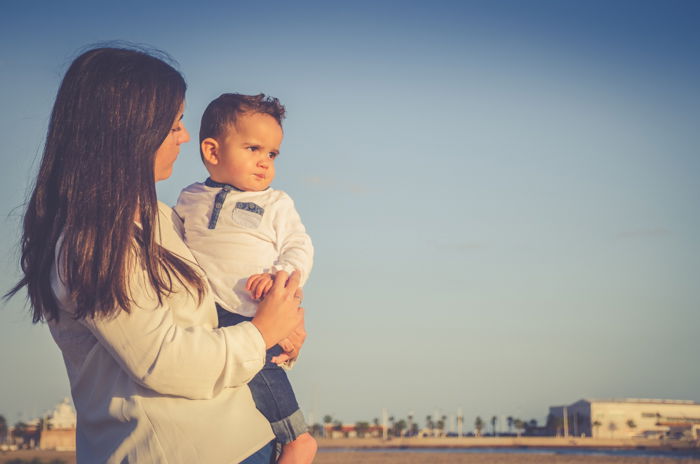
{"x":161,"y":384}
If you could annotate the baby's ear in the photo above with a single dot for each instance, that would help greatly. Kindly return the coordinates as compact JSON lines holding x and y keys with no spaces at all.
{"x":210,"y":150}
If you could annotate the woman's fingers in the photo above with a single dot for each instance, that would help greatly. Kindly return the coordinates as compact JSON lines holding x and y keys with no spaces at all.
{"x":280,"y":280}
{"x":281,"y":359}
{"x":286,"y":345}
{"x":288,"y":283}
{"x":280,"y":312}
{"x":297,"y":337}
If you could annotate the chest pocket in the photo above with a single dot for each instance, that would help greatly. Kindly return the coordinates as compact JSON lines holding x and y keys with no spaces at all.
{"x":247,"y":214}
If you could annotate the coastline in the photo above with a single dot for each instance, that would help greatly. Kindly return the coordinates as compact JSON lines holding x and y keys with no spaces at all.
{"x":476,"y":450}
{"x":508,"y":442}
{"x":505,"y":450}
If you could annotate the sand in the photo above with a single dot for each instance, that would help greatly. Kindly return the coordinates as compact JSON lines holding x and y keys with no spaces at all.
{"x":376,"y":457}
{"x":348,"y":457}
{"x":46,"y":456}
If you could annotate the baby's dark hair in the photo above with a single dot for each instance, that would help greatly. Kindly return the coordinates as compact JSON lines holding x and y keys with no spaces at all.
{"x":224,"y":110}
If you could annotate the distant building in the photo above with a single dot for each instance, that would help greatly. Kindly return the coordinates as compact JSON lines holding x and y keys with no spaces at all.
{"x":350,"y":431}
{"x":59,"y":428}
{"x":63,"y":416}
{"x":624,"y":418}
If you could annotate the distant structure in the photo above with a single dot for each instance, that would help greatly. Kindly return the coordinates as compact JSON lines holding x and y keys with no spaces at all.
{"x":624,"y":418}
{"x":63,"y":416}
{"x":58,"y":432}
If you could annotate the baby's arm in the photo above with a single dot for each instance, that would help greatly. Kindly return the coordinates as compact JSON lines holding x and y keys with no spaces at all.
{"x":295,"y":249}
{"x":293,"y":244}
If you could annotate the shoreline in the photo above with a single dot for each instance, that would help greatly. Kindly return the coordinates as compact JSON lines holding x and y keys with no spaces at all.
{"x":545,"y":450}
{"x":509,"y":442}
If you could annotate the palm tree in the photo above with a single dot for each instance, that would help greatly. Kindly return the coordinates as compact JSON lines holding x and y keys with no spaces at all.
{"x":596,"y":426}
{"x":530,"y":425}
{"x":3,"y":428}
{"x":327,"y":419}
{"x":510,"y":424}
{"x":478,"y":425}
{"x":631,"y":424}
{"x":361,"y":428}
{"x":441,"y":425}
{"x":399,"y":427}
{"x":19,"y":432}
{"x":612,"y":426}
{"x":317,"y":430}
{"x":493,"y":425}
{"x":519,"y":426}
{"x":429,"y":423}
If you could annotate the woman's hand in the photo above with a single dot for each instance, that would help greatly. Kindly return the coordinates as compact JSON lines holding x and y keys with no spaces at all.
{"x":279,"y":314}
{"x":291,"y":345}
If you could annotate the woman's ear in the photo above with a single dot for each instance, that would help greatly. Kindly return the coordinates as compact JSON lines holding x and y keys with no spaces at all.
{"x":210,"y":151}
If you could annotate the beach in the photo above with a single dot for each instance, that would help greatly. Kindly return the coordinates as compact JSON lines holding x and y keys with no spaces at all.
{"x":348,"y":457}
{"x":336,"y":456}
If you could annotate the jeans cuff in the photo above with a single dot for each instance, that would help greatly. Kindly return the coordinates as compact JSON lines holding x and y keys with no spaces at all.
{"x":288,"y":429}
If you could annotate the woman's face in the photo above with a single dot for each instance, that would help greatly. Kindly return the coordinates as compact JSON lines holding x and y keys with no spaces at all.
{"x":170,"y":148}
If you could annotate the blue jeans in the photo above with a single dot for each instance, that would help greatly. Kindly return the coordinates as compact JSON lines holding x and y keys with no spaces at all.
{"x":272,"y":392}
{"x":262,"y":456}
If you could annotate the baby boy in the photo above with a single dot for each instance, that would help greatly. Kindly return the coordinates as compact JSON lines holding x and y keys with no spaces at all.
{"x":242,"y":232}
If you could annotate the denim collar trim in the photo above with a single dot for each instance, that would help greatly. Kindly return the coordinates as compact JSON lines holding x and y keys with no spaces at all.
{"x":212,"y":183}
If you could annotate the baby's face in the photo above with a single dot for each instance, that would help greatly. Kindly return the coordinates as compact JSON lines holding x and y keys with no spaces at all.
{"x":247,"y":153}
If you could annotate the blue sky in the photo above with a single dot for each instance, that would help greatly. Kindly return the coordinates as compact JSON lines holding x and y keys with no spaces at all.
{"x":503,"y":196}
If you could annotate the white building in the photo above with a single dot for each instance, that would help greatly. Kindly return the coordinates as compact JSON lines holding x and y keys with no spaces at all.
{"x":63,"y":416}
{"x":624,"y":418}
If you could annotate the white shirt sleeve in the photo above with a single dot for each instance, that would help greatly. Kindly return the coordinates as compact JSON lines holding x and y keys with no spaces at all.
{"x":173,"y":348}
{"x":193,"y":362}
{"x":294,"y":244}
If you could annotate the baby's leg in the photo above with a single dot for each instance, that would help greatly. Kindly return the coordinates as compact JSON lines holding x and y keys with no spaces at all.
{"x":301,"y":450}
{"x":275,"y":398}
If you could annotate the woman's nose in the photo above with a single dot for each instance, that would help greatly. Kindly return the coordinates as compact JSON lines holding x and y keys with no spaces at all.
{"x":184,"y":135}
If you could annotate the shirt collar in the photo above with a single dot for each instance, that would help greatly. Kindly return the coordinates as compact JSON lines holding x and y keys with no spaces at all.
{"x":212,"y":183}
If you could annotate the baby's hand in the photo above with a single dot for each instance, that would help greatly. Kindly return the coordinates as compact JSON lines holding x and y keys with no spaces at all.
{"x":259,"y":284}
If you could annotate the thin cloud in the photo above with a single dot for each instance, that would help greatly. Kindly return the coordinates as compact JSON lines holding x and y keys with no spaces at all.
{"x":653,"y":232}
{"x":459,"y":246}
{"x":336,"y":185}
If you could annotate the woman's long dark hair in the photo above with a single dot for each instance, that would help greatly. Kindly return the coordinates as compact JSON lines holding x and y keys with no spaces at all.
{"x":113,"y":110}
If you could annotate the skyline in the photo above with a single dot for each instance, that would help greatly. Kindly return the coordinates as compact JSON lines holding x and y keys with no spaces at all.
{"x":503,"y":196}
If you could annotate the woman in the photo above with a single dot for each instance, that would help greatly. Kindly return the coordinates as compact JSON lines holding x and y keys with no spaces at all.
{"x":152,"y":379}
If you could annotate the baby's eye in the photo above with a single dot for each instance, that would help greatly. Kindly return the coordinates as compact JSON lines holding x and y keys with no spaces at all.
{"x":253,"y":148}
{"x":176,"y":129}
{"x":272,"y":155}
